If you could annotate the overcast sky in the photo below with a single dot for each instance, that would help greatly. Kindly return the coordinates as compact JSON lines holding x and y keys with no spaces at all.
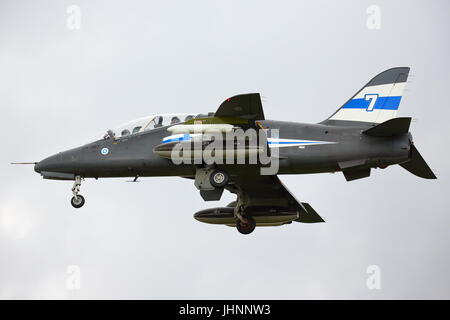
{"x":63,"y":87}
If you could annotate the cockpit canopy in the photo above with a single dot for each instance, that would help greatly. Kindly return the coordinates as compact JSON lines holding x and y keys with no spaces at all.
{"x":150,"y":123}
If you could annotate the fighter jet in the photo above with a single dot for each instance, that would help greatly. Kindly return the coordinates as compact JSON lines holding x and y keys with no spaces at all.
{"x":247,"y":152}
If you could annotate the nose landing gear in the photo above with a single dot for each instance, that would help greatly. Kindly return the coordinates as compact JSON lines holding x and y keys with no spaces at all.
{"x":77,"y":200}
{"x":218,"y":178}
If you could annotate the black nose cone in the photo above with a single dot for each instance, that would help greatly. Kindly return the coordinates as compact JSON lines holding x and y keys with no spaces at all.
{"x":38,"y":167}
{"x":48,"y":164}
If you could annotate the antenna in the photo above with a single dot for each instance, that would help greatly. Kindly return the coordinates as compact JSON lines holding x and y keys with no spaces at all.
{"x":23,"y":162}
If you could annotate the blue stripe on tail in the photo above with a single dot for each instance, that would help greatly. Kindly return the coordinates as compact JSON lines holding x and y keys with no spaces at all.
{"x":384,"y":103}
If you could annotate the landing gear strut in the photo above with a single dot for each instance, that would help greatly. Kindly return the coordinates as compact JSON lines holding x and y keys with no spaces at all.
{"x":77,"y":200}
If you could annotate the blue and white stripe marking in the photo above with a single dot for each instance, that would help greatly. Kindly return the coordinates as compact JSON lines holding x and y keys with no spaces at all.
{"x":281,"y":143}
{"x":272,"y":142}
{"x":372,"y":104}
{"x":181,"y":137}
{"x":177,"y":138}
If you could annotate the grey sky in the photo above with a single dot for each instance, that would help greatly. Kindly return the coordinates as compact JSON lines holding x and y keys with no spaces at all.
{"x":60,"y":88}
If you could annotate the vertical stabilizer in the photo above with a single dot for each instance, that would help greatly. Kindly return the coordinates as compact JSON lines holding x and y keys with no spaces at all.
{"x":377,"y":101}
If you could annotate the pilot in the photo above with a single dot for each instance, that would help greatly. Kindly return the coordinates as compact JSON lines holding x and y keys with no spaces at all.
{"x":174,"y":120}
{"x":159,"y":123}
{"x":109,"y":135}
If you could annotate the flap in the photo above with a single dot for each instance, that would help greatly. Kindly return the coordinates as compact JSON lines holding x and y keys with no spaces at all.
{"x":269,"y":191}
{"x":308,"y":215}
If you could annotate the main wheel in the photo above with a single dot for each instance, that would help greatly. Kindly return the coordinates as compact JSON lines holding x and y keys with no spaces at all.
{"x":77,"y":202}
{"x":218,"y":178}
{"x":246,"y":227}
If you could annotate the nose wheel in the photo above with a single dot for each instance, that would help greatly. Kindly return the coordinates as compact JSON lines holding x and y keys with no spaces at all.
{"x":77,"y":200}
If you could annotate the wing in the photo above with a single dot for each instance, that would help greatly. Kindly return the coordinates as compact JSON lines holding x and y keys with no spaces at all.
{"x":269,"y":191}
{"x":246,"y":106}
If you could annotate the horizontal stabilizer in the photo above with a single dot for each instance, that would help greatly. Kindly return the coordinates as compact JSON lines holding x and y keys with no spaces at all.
{"x":418,"y":166}
{"x":308,"y":216}
{"x":390,"y":127}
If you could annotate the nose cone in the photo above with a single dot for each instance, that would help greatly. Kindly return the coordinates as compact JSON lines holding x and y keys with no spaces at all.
{"x":38,"y":167}
{"x":48,"y":164}
{"x":61,"y":166}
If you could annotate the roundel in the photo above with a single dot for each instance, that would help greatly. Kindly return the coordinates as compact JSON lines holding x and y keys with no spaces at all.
{"x":104,"y":151}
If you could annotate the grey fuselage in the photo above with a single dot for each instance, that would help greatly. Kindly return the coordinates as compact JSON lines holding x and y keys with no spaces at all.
{"x":133,"y":155}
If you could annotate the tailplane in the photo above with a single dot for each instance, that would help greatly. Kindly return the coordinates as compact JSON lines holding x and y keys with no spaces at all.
{"x":390,"y":128}
{"x":416,"y":164}
{"x":377,"y":101}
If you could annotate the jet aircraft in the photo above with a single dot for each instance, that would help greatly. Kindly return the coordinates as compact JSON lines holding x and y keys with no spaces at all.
{"x":363,"y":134}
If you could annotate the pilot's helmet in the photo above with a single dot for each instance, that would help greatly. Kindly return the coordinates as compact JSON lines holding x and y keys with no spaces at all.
{"x":109,"y":134}
{"x":174,"y":120}
{"x":158,"y":121}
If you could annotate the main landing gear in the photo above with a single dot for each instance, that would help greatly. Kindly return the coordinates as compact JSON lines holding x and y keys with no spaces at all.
{"x":77,"y":200}
{"x":244,"y":224}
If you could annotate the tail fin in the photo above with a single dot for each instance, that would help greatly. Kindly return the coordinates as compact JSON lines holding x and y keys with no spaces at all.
{"x":417,"y":165}
{"x":377,"y":101}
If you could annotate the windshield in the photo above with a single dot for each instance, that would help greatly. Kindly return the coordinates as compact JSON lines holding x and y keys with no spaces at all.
{"x":149,"y":123}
